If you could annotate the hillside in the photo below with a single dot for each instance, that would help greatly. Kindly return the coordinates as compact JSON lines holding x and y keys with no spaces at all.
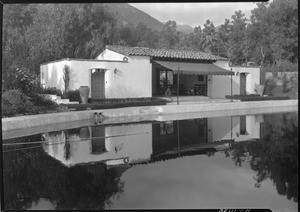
{"x":128,"y":14}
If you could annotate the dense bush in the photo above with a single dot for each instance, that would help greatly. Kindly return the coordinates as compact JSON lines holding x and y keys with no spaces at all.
{"x":39,"y":100}
{"x":287,"y":66}
{"x":263,"y":98}
{"x":14,"y":102}
{"x":270,"y":84}
{"x":22,"y":79}
{"x":51,"y":90}
{"x":256,"y":97}
{"x":74,"y":95}
{"x":123,"y":100}
{"x":241,"y":96}
{"x":118,"y":103}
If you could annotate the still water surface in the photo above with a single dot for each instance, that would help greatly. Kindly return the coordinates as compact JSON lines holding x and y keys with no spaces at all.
{"x":225,"y":162}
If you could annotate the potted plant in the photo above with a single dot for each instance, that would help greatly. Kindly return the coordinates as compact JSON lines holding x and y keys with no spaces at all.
{"x":259,"y":89}
{"x":84,"y":93}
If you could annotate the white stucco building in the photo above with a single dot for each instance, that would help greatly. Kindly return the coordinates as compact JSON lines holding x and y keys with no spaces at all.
{"x":132,"y":72}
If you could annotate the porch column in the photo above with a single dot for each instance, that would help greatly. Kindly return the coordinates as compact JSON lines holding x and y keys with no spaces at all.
{"x":178,"y":86}
{"x":231,"y":84}
{"x":178,"y":138}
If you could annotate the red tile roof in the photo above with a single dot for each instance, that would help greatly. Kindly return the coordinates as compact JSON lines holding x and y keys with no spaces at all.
{"x":164,"y":53}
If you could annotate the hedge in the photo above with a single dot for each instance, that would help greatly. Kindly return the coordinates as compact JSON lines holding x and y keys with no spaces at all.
{"x":263,"y":98}
{"x":118,"y":103}
{"x":241,"y":96}
{"x":256,"y":97}
{"x":122,"y":100}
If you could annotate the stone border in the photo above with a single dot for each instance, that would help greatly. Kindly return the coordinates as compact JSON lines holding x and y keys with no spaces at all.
{"x":133,"y":113}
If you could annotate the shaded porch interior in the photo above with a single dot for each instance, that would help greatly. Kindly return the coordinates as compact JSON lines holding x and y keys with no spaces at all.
{"x":172,"y":78}
{"x":189,"y":84}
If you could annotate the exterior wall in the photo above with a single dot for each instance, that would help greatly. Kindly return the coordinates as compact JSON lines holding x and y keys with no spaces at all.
{"x":109,"y":55}
{"x":252,"y":128}
{"x":132,"y":79}
{"x":132,"y":146}
{"x":221,"y":85}
{"x":252,"y":78}
{"x":219,"y":128}
{"x":136,"y":144}
{"x":223,"y":126}
{"x":52,"y":73}
{"x":209,"y":85}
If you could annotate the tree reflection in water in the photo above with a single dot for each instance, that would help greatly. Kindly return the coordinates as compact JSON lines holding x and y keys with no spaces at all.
{"x":275,"y":155}
{"x":31,"y":174}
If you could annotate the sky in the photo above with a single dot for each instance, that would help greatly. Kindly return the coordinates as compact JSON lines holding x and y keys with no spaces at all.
{"x":195,"y":14}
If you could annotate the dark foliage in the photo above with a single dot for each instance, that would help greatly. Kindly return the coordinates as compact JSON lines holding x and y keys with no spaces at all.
{"x":14,"y":103}
{"x":51,"y":90}
{"x":256,"y":97}
{"x":39,"y":100}
{"x":275,"y":155}
{"x":118,"y":103}
{"x":78,"y":187}
{"x":263,"y":98}
{"x":74,"y":95}
{"x":241,"y":96}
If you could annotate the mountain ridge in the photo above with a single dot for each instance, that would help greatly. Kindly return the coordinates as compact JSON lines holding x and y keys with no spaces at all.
{"x":131,"y":15}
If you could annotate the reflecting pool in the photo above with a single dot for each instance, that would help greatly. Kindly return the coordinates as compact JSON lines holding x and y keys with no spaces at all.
{"x":246,"y":161}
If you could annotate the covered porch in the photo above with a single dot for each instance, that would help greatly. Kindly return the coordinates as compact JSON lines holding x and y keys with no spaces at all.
{"x":187,"y":81}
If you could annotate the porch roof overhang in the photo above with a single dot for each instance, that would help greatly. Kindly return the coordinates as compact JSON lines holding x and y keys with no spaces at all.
{"x":194,"y":68}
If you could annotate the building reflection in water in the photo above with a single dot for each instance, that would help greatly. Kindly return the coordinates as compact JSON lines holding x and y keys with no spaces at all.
{"x":119,"y":145}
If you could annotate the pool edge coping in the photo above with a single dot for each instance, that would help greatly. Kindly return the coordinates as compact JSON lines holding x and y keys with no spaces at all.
{"x":23,"y":122}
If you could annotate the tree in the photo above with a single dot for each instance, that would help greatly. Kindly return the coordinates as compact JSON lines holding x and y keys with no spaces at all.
{"x":274,"y":29}
{"x":275,"y":155}
{"x":74,"y":31}
{"x":209,"y":38}
{"x":169,"y":36}
{"x":284,"y":30}
{"x":66,"y":77}
{"x":237,"y":38}
{"x":145,"y":36}
{"x":16,"y":19}
{"x":31,"y":174}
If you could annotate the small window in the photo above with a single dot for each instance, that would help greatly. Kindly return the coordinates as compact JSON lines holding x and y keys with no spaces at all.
{"x":201,"y":78}
{"x":42,"y":75}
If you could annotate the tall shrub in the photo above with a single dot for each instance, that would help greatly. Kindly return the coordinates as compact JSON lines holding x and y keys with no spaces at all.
{"x":14,"y":102}
{"x":74,"y":96}
{"x":66,"y":77}
{"x":22,"y":79}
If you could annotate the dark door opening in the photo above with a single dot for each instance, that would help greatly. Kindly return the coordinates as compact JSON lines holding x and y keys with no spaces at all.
{"x":98,"y":140}
{"x":243,"y":84}
{"x":98,"y":84}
